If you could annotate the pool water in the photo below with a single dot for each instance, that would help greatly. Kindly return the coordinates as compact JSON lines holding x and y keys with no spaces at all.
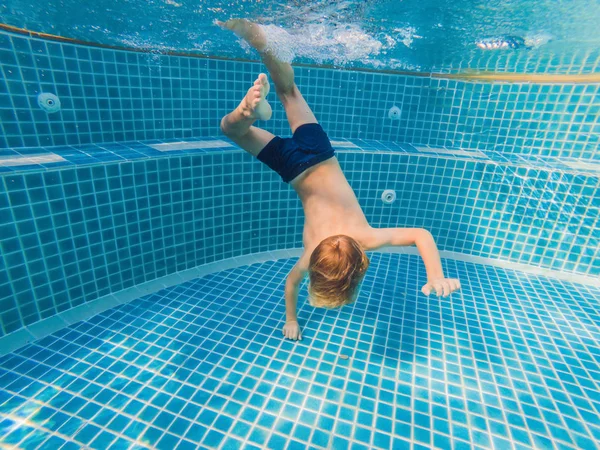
{"x":130,"y":186}
{"x":510,"y":361}
{"x":416,"y":35}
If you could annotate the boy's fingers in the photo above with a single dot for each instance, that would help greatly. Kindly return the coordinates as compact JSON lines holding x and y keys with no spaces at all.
{"x":292,"y":333}
{"x":442,"y":288}
{"x":447,"y":288}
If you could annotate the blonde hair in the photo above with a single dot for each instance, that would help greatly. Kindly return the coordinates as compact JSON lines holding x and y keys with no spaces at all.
{"x":336,"y":268}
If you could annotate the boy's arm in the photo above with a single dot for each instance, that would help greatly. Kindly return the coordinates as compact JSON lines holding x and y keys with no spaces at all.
{"x":291,"y":329}
{"x":428,"y":251}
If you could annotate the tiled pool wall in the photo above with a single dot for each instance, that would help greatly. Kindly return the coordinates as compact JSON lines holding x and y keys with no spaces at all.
{"x":75,"y":234}
{"x":111,"y":95}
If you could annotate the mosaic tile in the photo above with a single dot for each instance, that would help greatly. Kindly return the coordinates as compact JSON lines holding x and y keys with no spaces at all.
{"x":76,"y":234}
{"x":170,"y":99}
{"x":508,"y":361}
{"x":128,"y":184}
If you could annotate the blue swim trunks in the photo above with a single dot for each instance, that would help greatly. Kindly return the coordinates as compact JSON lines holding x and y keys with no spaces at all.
{"x":289,"y":157}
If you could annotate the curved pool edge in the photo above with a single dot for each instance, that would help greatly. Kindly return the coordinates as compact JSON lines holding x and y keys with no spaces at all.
{"x":31,"y":333}
{"x":468,"y":75}
{"x":45,"y":327}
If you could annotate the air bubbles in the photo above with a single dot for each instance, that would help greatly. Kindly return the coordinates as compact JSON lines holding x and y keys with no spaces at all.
{"x":340,"y":43}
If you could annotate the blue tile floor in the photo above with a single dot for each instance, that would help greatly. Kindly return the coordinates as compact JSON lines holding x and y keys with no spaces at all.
{"x":513,"y":361}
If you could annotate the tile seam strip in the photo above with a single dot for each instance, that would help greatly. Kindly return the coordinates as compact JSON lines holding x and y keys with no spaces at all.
{"x":33,"y":158}
{"x":563,"y":276}
{"x":482,"y":76}
{"x":184,"y":145}
{"x":579,"y":167}
{"x":45,"y":327}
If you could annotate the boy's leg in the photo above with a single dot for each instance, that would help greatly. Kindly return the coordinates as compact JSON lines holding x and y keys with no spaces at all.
{"x":297,"y":110}
{"x":237,"y":125}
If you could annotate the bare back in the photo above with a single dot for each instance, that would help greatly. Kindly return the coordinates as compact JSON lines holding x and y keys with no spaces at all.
{"x":330,"y":205}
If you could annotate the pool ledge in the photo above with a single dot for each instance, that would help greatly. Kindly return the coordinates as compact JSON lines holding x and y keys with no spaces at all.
{"x":45,"y":327}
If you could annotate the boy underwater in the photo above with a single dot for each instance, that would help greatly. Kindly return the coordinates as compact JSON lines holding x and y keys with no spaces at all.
{"x":336,"y":233}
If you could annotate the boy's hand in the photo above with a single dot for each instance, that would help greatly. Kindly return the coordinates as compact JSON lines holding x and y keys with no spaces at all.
{"x":291,"y":330}
{"x":441,"y":286}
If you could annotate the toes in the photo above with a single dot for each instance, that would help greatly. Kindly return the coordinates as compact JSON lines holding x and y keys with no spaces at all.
{"x":257,"y":91}
{"x":254,"y":93}
{"x":261,"y":80}
{"x":228,"y":25}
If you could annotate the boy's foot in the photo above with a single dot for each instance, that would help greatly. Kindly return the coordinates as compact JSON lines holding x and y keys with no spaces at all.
{"x":254,"y":105}
{"x":249,"y":31}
